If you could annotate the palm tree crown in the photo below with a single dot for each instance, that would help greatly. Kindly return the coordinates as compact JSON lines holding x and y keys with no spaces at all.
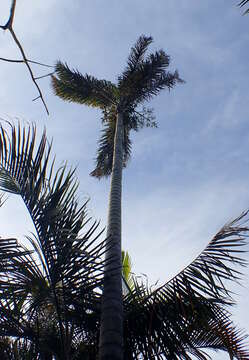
{"x":143,"y":78}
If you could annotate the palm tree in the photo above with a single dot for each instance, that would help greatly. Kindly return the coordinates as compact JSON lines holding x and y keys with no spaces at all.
{"x":243,"y":3}
{"x":50,"y":289}
{"x":45,"y":285}
{"x":143,"y":78}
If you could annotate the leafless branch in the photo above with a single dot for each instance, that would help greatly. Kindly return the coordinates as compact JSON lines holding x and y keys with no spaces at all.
{"x":43,"y":76}
{"x":25,"y":60}
{"x":28,"y":60}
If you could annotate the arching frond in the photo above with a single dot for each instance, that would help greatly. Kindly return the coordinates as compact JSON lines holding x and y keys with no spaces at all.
{"x":64,"y":270}
{"x":158,"y":327}
{"x":72,"y":86}
{"x":205,"y":276}
{"x":188,"y":314}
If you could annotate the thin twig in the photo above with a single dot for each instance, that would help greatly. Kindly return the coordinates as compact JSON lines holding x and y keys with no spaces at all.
{"x":28,"y":66}
{"x":29,"y":61}
{"x":9,"y":26}
{"x":43,"y":76}
{"x":142,"y":115}
{"x":9,"y":22}
{"x":11,"y":60}
{"x":38,"y":97}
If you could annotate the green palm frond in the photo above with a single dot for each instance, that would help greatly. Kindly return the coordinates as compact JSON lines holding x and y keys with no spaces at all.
{"x":137,"y":53}
{"x":243,"y":3}
{"x":106,"y":147}
{"x":127,"y":276}
{"x":145,"y":78}
{"x":72,"y":86}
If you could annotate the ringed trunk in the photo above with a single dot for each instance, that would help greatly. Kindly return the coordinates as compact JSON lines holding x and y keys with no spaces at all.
{"x":111,"y":326}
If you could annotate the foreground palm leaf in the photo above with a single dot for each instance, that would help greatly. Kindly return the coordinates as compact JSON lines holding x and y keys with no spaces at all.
{"x":143,"y":78}
{"x":45,"y":285}
{"x":188,"y":314}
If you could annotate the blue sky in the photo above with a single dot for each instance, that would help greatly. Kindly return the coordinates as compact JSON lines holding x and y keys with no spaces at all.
{"x":186,"y":178}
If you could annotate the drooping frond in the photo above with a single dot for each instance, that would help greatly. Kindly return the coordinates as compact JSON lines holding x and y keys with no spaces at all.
{"x":72,"y":86}
{"x":188,"y":314}
{"x":178,"y":328}
{"x":205,"y":276}
{"x":158,"y":327}
{"x":145,"y":78}
{"x":243,"y":3}
{"x":106,"y":147}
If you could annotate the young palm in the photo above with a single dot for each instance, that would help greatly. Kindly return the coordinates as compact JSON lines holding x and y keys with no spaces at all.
{"x":143,"y":78}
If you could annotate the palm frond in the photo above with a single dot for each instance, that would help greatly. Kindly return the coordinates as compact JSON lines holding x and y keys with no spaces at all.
{"x":188,"y":314}
{"x":64,"y":272}
{"x":243,"y":3}
{"x":205,"y":276}
{"x":106,"y":147}
{"x":72,"y":86}
{"x":137,"y":53}
{"x":157,"y":327}
{"x":127,"y":276}
{"x":145,"y":78}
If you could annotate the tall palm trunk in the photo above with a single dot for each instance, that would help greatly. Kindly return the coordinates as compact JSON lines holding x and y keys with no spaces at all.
{"x":111,"y":328}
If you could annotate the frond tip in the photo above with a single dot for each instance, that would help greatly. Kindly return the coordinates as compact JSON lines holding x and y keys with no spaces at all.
{"x":243,"y":3}
{"x":206,"y":276}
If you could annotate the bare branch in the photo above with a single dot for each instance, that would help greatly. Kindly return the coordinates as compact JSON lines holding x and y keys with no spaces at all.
{"x":38,"y":97}
{"x":29,"y":61}
{"x":28,"y":66}
{"x":9,"y":23}
{"x":43,"y":76}
{"x":9,"y":26}
{"x":12,"y":60}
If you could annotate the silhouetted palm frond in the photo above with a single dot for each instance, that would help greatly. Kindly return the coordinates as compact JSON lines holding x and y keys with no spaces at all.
{"x":174,"y":329}
{"x":137,"y":53}
{"x":145,"y":78}
{"x":105,"y":150}
{"x":243,"y":3}
{"x":72,"y":86}
{"x":188,"y":314}
{"x":60,"y":269}
{"x":205,"y":276}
